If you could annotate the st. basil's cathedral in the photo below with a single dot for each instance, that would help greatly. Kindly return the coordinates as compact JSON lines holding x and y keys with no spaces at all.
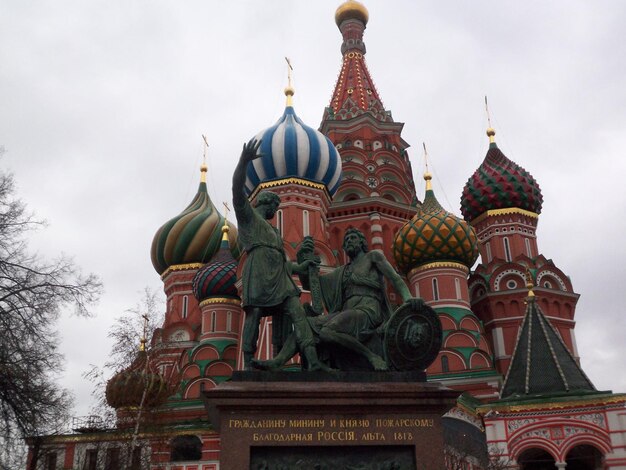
{"x":508,"y":322}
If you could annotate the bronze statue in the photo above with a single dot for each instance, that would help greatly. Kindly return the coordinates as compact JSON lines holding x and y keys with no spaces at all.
{"x":354,"y":295}
{"x":268,"y":288}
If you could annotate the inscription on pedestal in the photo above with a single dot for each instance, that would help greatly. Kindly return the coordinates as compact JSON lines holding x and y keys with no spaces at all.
{"x":331,"y":431}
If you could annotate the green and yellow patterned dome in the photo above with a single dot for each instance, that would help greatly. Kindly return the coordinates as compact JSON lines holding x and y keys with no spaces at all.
{"x":434,"y":234}
{"x":194,"y":235}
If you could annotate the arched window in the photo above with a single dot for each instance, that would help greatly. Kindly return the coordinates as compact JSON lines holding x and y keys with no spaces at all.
{"x":305,"y":223}
{"x":507,"y":249}
{"x":185,"y":306}
{"x":213,"y":320}
{"x":186,"y":448}
{"x":229,"y":322}
{"x":488,"y":247}
{"x":528,"y":250}
{"x":445,"y":365}
{"x":435,"y":289}
{"x":457,"y":288}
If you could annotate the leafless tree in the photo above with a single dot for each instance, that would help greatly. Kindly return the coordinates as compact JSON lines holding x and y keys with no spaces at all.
{"x":34,"y":292}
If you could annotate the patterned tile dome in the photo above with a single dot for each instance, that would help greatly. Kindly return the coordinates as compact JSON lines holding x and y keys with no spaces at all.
{"x":499,"y":183}
{"x":217,"y":278}
{"x":291,"y":149}
{"x":193,"y":236}
{"x":434,"y":234}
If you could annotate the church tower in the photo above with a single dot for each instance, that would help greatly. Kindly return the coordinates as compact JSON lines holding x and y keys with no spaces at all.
{"x":502,"y":201}
{"x":436,"y":249}
{"x":377,"y":194}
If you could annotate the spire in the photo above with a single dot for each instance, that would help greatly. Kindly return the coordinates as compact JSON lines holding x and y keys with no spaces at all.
{"x":225,"y":227}
{"x":354,"y":92}
{"x":541,"y":363}
{"x":203,"y":167}
{"x":491,"y":132}
{"x":289,"y":91}
{"x":427,"y":176}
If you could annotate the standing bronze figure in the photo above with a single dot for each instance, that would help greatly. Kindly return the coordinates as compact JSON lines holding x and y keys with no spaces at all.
{"x":268,"y":288}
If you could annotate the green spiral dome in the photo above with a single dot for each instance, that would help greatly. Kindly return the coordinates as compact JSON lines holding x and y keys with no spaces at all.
{"x":193,"y":236}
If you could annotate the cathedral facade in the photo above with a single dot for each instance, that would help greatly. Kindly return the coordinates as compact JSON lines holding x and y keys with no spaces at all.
{"x":508,"y":321}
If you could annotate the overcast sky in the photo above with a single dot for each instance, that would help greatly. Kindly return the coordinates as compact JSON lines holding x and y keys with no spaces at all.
{"x":103,"y":103}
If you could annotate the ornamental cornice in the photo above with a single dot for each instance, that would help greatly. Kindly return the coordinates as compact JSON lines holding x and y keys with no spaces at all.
{"x":506,"y":211}
{"x":220,"y":300}
{"x":180,"y":267}
{"x":439,"y":264}
{"x":286,"y":181}
{"x":568,"y":406}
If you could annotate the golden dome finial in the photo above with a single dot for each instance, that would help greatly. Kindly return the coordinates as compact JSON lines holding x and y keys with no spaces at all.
{"x":529,"y":283}
{"x":351,"y":9}
{"x":225,"y":227}
{"x":491,"y":132}
{"x":143,"y":340}
{"x":289,"y":91}
{"x":427,"y":176}
{"x":203,"y":167}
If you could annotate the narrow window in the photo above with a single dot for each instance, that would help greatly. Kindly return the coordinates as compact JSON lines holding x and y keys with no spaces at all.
{"x":528,"y":250}
{"x":305,"y":223}
{"x":229,"y":322}
{"x":91,"y":460}
{"x":445,"y":366}
{"x":507,"y":249}
{"x":213,"y":321}
{"x":279,"y":221}
{"x":51,"y":461}
{"x":457,"y":287}
{"x":136,"y":459}
{"x":185,"y":305}
{"x":435,"y":289}
{"x":112,"y":460}
{"x":488,"y":246}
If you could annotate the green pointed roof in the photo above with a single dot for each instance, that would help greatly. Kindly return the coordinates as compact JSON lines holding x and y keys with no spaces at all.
{"x":541,"y":363}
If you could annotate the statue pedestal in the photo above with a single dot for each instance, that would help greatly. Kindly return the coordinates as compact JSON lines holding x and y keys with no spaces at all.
{"x":321,"y":421}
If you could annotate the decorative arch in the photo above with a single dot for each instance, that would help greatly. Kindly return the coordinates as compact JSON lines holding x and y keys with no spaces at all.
{"x":506,"y":275}
{"x":469,"y":323}
{"x":218,"y":369}
{"x":195,"y":388}
{"x":479,"y":360}
{"x":206,"y":352}
{"x":459,"y":339}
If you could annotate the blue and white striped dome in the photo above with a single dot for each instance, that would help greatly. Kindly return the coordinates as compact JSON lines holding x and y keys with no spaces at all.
{"x":291,"y":149}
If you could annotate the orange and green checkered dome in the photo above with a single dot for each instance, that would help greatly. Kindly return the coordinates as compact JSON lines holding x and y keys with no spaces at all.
{"x":193,"y":236}
{"x":434,"y":234}
{"x":499,"y":183}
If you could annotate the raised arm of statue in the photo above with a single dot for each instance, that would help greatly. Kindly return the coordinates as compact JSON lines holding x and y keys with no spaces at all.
{"x":248,"y":154}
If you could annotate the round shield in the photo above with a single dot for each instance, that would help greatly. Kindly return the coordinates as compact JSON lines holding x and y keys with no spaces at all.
{"x":412,"y":338}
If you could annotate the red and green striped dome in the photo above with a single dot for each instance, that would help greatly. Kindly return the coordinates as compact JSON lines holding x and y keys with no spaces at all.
{"x":434,"y":234}
{"x":217,"y":278}
{"x":193,"y":236}
{"x":499,"y":183}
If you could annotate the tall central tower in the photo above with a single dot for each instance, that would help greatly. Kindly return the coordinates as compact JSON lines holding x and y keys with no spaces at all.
{"x":377,"y":192}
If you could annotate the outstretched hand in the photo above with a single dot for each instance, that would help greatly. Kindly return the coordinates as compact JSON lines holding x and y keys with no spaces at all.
{"x":250,"y":151}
